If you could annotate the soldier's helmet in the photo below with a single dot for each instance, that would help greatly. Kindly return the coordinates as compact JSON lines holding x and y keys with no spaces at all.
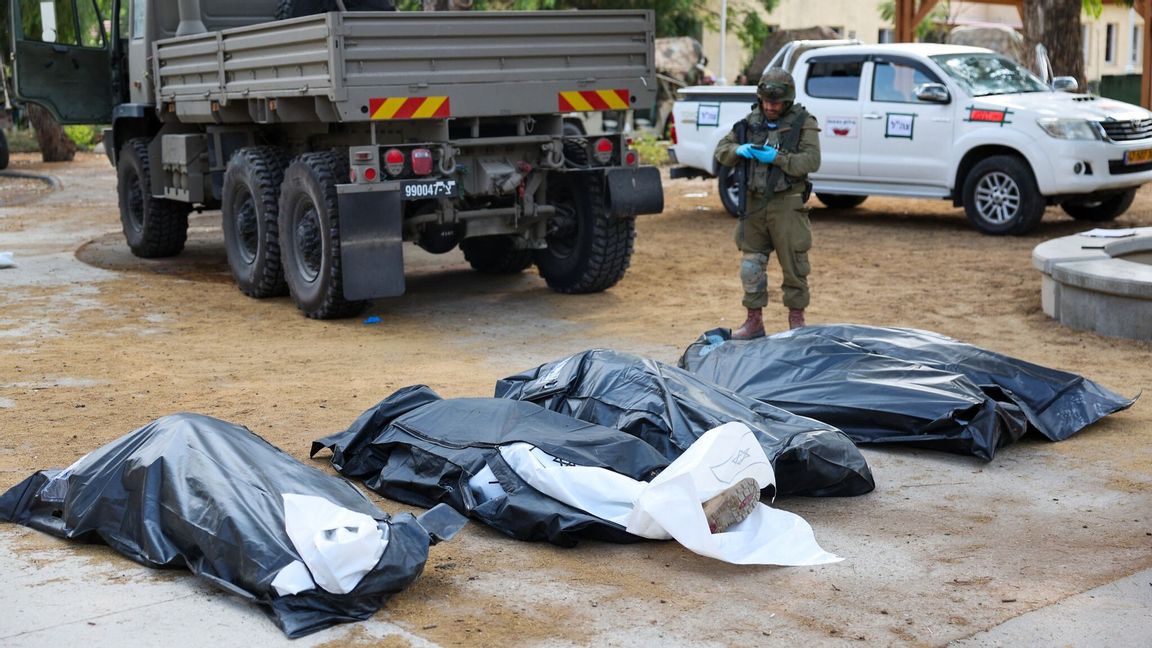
{"x":777,"y":85}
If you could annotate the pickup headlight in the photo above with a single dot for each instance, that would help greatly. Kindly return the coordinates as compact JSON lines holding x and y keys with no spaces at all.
{"x":1070,"y":129}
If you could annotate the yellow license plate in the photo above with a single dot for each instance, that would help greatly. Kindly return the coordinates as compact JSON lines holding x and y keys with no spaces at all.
{"x":1138,"y":156}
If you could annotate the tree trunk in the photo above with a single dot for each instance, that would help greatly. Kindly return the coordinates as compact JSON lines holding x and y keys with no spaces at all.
{"x":55,"y":145}
{"x":1056,"y":25}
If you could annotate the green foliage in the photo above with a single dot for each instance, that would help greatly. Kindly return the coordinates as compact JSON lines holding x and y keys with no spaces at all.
{"x":650,"y":149}
{"x":84,"y":135}
{"x":1095,"y":7}
{"x":673,"y":17}
{"x":752,"y":31}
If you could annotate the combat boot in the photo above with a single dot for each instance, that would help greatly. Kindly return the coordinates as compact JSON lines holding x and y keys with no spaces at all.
{"x":795,"y":318}
{"x":732,"y":505}
{"x":753,"y":327}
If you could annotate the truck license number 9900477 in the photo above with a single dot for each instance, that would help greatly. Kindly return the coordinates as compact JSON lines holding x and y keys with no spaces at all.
{"x":429,"y":189}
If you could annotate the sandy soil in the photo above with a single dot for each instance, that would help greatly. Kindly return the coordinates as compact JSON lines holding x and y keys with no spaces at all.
{"x":94,"y":343}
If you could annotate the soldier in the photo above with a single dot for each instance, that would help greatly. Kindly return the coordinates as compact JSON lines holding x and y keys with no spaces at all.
{"x":779,"y":144}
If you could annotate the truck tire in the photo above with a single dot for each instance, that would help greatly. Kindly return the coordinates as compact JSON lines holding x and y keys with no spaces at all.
{"x":840,"y":201}
{"x":3,"y":151}
{"x":250,"y":209}
{"x":588,"y":249}
{"x":153,"y":227}
{"x":495,"y":255}
{"x":310,"y":237}
{"x":729,"y":192}
{"x":1100,"y":210}
{"x":1000,"y":196}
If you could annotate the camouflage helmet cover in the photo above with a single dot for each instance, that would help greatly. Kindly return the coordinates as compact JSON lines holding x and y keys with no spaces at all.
{"x":776,"y":85}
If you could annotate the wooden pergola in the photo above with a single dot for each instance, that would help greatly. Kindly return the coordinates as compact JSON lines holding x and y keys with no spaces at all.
{"x":910,"y":13}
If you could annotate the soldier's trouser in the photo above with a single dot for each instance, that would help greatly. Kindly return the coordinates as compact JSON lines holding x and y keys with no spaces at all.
{"x":775,"y":223}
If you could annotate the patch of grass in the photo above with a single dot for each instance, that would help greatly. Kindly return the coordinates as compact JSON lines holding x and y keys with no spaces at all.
{"x":650,"y":149}
{"x":22,"y":140}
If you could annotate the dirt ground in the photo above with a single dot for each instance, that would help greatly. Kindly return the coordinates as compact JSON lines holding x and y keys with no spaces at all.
{"x":94,"y":343}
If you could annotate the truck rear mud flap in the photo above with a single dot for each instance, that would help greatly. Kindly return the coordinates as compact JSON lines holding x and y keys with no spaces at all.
{"x":635,"y":191}
{"x":371,"y":244}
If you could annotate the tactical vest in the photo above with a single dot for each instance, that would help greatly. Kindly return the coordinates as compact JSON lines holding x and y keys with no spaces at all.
{"x":785,"y":137}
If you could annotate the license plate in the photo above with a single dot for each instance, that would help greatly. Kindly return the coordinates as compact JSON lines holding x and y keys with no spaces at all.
{"x":423,"y":189}
{"x":1138,"y":156}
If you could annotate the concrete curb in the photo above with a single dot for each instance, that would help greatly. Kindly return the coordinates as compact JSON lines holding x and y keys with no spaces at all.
{"x":1087,"y":284}
{"x":52,"y":181}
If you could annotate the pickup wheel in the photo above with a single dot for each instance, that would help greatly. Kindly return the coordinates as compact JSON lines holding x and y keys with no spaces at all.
{"x":728,"y":190}
{"x":495,"y":255}
{"x":3,"y":151}
{"x":153,"y":227}
{"x":250,"y":210}
{"x":310,"y":237}
{"x":1099,"y":210}
{"x":588,"y":249}
{"x":1000,"y":196}
{"x":840,"y":201}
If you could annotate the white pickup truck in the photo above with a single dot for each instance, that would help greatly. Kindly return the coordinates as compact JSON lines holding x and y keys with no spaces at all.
{"x":959,"y":123}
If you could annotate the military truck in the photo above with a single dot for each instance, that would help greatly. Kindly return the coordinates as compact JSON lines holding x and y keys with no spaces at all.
{"x":328,"y":140}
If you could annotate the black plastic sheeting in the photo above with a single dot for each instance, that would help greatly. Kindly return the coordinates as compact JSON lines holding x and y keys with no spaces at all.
{"x":192,"y":491}
{"x":903,"y":386}
{"x":670,"y":408}
{"x":418,"y":448}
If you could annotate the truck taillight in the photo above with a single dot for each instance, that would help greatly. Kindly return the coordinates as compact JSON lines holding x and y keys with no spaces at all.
{"x":602,"y":150}
{"x":630,"y":158}
{"x":421,"y":161}
{"x":364,"y":163}
{"x":672,"y":128}
{"x":394,"y":162}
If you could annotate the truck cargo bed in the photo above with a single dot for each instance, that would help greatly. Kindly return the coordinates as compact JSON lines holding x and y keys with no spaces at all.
{"x":360,"y":66}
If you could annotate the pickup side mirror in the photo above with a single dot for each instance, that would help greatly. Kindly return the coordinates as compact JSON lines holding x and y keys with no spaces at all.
{"x":933,"y":92}
{"x":1065,"y":84}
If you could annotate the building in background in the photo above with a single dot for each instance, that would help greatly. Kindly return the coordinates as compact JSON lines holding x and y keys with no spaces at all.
{"x":1111,"y":42}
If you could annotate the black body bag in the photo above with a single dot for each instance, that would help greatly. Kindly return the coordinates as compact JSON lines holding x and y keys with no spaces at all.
{"x":196,"y":492}
{"x":670,"y":408}
{"x":418,"y":448}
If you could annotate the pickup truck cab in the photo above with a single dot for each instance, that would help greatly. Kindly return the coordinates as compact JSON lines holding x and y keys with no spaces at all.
{"x":925,"y":120}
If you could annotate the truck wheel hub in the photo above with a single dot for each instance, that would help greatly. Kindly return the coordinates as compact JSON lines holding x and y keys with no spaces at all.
{"x":309,"y":245}
{"x":247,"y":230}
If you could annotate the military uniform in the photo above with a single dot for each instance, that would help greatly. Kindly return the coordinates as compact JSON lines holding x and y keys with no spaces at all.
{"x":776,"y":219}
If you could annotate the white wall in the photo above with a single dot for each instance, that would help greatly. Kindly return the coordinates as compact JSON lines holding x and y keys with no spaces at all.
{"x":1123,"y":20}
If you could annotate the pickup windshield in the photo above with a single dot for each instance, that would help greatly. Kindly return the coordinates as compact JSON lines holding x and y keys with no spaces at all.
{"x":989,"y":74}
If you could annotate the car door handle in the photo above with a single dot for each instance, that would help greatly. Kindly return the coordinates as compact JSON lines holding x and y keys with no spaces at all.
{"x":873,"y":116}
{"x":59,"y":49}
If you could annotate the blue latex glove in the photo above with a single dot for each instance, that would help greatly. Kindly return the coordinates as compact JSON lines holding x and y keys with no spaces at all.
{"x":764,"y":154}
{"x":744,"y":151}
